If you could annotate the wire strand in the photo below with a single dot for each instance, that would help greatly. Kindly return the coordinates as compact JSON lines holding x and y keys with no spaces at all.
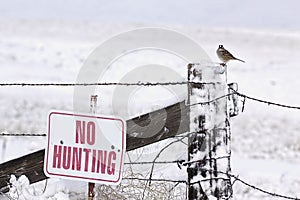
{"x":103,"y":84}
{"x":154,"y":84}
{"x":248,"y":185}
{"x":262,"y":190}
{"x":158,"y":180}
{"x":24,"y":134}
{"x":268,"y":102}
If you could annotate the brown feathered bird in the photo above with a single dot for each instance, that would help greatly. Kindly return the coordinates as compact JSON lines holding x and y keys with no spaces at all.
{"x":225,"y":56}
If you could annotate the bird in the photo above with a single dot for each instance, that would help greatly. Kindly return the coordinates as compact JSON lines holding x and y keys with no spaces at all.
{"x":225,"y":56}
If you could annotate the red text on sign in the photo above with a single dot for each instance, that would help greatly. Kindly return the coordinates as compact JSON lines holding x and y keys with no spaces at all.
{"x":84,"y":159}
{"x":85,"y":132}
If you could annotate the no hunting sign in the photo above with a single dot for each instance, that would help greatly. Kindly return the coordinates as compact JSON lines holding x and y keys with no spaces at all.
{"x":85,"y":147}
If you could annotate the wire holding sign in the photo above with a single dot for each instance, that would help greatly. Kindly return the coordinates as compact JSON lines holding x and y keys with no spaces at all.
{"x":93,"y":109}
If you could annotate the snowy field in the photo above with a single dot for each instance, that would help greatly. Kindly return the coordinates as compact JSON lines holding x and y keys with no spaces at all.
{"x":265,"y":139}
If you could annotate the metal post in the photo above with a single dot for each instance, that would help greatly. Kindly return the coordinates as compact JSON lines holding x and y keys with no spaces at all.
{"x":93,"y":109}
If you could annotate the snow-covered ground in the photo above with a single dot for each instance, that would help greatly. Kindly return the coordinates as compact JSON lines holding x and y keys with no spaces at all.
{"x":265,"y":139}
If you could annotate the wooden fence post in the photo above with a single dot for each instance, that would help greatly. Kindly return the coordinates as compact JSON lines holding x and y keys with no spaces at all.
{"x":209,"y":145}
{"x":197,"y":120}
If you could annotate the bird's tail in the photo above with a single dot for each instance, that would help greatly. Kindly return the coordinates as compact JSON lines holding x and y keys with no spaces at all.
{"x":239,"y":60}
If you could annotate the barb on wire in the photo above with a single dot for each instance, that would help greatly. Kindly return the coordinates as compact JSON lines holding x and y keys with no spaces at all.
{"x":24,"y":134}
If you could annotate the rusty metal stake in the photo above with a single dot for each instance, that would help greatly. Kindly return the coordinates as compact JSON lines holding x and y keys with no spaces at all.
{"x":93,"y":109}
{"x":91,"y":193}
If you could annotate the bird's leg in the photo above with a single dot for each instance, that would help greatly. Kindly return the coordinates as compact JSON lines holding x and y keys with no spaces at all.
{"x":223,"y":64}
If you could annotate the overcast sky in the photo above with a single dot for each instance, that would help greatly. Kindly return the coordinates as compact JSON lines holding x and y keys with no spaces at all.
{"x":276,"y":14}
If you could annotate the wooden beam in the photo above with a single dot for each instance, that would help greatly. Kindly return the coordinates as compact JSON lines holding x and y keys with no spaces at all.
{"x":30,"y":165}
{"x":141,"y":131}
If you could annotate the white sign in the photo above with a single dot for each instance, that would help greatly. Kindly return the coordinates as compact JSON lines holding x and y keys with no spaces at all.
{"x":85,"y":147}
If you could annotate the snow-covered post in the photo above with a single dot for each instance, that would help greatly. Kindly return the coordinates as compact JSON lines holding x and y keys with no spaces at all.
{"x":209,"y":141}
{"x":93,"y":109}
{"x":197,"y":120}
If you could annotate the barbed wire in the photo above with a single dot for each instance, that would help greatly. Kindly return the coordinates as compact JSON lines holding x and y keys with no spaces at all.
{"x":155,"y":84}
{"x":178,"y":162}
{"x":213,"y":100}
{"x":24,"y":134}
{"x":157,"y":162}
{"x":157,"y":180}
{"x":245,"y":97}
{"x":255,"y":187}
{"x":273,"y":194}
{"x":267,"y":102}
{"x":104,"y":84}
{"x":262,"y":190}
